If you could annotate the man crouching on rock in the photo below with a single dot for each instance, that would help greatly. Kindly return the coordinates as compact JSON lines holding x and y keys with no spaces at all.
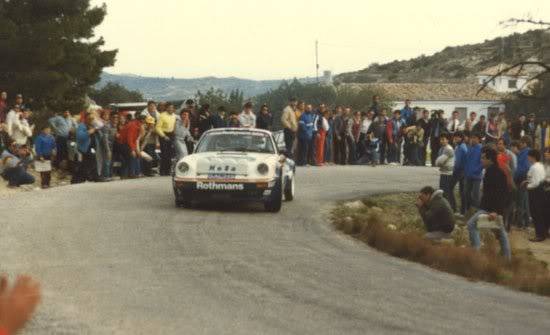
{"x":436,"y":213}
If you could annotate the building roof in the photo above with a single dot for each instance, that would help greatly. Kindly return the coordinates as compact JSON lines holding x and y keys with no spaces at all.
{"x":433,"y":92}
{"x":525,"y":71}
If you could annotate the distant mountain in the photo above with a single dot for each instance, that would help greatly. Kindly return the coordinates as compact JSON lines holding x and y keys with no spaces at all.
{"x":452,"y":64}
{"x":178,"y":89}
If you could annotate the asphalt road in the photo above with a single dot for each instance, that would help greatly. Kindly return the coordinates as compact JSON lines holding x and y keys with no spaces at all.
{"x":119,"y":258}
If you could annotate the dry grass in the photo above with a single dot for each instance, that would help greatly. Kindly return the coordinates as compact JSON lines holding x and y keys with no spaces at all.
{"x":391,"y":224}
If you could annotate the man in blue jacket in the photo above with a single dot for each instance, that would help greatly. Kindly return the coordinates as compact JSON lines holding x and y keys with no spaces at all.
{"x":473,"y":172}
{"x":519,"y":177}
{"x":461,"y":151}
{"x":305,"y":136}
{"x":85,"y":143}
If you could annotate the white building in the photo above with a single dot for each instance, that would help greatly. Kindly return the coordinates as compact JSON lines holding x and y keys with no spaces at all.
{"x":510,"y":81}
{"x":462,"y":97}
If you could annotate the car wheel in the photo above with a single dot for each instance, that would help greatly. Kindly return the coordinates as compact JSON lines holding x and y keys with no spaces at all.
{"x":275,"y":202}
{"x":182,"y":201}
{"x":290,"y":189}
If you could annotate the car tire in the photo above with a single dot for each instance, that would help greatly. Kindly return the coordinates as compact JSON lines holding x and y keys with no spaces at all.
{"x":275,"y":201}
{"x":182,"y":201}
{"x":290,"y":187}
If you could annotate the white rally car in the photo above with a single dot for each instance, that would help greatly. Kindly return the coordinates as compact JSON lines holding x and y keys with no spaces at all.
{"x":235,"y":163}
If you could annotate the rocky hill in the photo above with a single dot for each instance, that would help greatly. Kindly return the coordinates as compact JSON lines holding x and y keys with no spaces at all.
{"x":452,"y":64}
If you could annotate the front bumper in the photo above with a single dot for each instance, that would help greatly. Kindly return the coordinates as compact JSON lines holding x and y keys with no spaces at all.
{"x":210,"y":189}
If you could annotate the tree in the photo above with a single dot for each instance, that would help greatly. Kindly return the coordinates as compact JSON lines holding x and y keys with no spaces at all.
{"x":50,"y":52}
{"x":217,"y":98}
{"x":536,"y":99}
{"x":114,"y":93}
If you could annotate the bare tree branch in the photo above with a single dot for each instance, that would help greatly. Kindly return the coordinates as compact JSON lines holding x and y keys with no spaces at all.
{"x":513,"y":22}
{"x":521,"y":65}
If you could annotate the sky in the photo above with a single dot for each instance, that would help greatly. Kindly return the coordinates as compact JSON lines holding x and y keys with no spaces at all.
{"x":275,"y":39}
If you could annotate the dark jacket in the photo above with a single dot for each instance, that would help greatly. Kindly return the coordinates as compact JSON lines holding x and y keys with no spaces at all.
{"x":437,"y":214}
{"x":496,"y":194}
{"x":264,"y":121}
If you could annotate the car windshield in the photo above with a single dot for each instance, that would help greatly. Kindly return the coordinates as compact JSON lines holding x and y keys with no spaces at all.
{"x":241,"y":142}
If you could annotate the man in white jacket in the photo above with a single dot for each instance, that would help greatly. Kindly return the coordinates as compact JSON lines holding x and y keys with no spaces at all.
{"x":445,"y":161}
{"x":534,"y":185}
{"x":21,"y":131}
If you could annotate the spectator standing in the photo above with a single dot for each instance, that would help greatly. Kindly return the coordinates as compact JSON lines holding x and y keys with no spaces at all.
{"x":519,"y":177}
{"x":380,"y":132}
{"x":165,"y":129}
{"x":352,"y":135}
{"x":85,"y":143}
{"x":493,"y":202}
{"x":518,"y":128}
{"x":395,"y":138}
{"x":233,"y":122}
{"x":454,"y":123}
{"x":542,"y":136}
{"x":305,"y":137}
{"x":182,"y":135}
{"x":321,"y":138}
{"x":264,"y":119}
{"x":535,"y":188}
{"x":247,"y":118}
{"x":470,"y":122}
{"x":445,"y":161}
{"x":12,"y":167}
{"x":152,"y":110}
{"x":329,"y":141}
{"x":502,"y":128}
{"x":205,"y":119}
{"x":480,"y":128}
{"x":340,"y":127}
{"x":44,"y":147}
{"x":461,"y":153}
{"x":218,"y":118}
{"x":21,"y":130}
{"x":473,"y":171}
{"x":437,"y":127}
{"x":290,"y":125}
{"x":407,"y":113}
{"x":531,"y":127}
{"x":424,"y":123}
{"x":492,"y":130}
{"x":148,"y":143}
{"x":132,"y":156}
{"x":436,"y":214}
{"x":414,"y":144}
{"x":62,"y":126}
{"x":3,"y":106}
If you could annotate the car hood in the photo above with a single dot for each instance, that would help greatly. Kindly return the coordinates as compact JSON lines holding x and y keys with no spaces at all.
{"x":233,"y":163}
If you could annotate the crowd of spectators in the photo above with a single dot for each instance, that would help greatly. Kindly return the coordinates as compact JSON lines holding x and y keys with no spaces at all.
{"x":100,"y":144}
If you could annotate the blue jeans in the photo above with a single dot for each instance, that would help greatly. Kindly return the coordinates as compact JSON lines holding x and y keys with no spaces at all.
{"x":471,"y":190}
{"x":328,"y":149}
{"x":445,"y":183}
{"x":475,"y":240}
{"x":523,"y":207}
{"x":107,"y":170}
{"x":17,"y":176}
{"x":458,"y":179}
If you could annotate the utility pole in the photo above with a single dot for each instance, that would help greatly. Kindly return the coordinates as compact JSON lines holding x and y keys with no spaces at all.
{"x":317,"y":60}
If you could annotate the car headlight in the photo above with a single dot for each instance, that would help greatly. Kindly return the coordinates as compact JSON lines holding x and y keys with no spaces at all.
{"x":183,"y":168}
{"x":263,"y":169}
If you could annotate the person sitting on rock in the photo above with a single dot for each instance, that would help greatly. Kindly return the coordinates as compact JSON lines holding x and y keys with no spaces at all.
{"x":436,"y":213}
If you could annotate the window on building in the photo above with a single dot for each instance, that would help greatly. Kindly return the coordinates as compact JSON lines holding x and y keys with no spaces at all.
{"x":512,"y":84}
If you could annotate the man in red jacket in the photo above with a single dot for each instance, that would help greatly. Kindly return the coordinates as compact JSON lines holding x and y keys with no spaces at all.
{"x":129,"y":138}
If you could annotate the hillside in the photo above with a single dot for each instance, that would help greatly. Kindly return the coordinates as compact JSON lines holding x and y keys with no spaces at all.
{"x":176,"y":89}
{"x":452,"y":64}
